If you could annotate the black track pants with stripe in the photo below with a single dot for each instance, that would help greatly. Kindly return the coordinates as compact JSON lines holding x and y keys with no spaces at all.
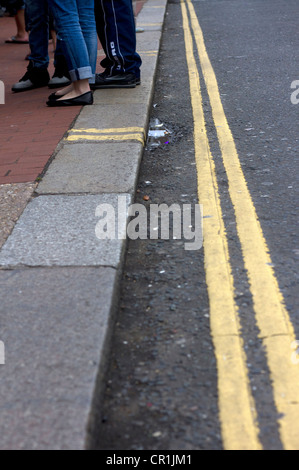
{"x":116,"y":30}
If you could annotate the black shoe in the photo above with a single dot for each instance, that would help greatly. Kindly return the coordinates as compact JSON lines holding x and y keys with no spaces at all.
{"x":54,"y":97}
{"x":121,"y":80}
{"x":59,"y":81}
{"x":35,"y":77}
{"x":61,"y":77}
{"x":82,"y":100}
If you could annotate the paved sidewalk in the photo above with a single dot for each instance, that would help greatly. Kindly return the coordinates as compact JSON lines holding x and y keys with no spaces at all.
{"x":58,"y":282}
{"x":29,"y":131}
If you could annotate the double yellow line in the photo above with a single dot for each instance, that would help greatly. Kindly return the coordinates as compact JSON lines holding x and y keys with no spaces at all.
{"x":107,"y":135}
{"x":237,"y":412}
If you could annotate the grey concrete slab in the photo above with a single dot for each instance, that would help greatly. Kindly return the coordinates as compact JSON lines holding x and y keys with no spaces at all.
{"x":149,"y":41}
{"x":13,"y":200}
{"x":55,"y":324}
{"x":152,"y":15}
{"x":140,"y":95}
{"x":61,"y":231}
{"x":112,"y":116}
{"x":105,"y":167}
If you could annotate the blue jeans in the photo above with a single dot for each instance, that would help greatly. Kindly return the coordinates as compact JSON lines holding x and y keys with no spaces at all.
{"x":37,"y":19}
{"x":75,"y":22}
{"x":117,"y":33}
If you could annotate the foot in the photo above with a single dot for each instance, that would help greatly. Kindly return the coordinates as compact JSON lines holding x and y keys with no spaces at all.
{"x":17,"y":40}
{"x":82,"y":100}
{"x":34,"y":78}
{"x":57,"y":82}
{"x":122,"y":80}
{"x":61,"y":76}
{"x":64,"y":91}
{"x":67,"y":93}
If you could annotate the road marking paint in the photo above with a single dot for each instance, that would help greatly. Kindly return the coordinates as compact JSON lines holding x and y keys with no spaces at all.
{"x":114,"y":134}
{"x":106,"y":138}
{"x":272,"y":316}
{"x":236,"y":405}
{"x":116,"y":130}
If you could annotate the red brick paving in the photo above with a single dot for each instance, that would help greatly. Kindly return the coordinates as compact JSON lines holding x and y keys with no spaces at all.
{"x":29,"y":130}
{"x":139,"y":5}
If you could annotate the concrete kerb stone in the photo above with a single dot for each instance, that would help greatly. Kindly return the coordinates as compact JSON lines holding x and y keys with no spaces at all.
{"x":112,"y":116}
{"x":60,"y":230}
{"x":84,"y":168}
{"x":141,"y":96}
{"x":62,"y":280}
{"x":56,"y":325}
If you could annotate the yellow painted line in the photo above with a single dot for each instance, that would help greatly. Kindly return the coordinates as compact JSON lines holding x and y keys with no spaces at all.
{"x":116,"y":130}
{"x":106,"y":138}
{"x":272,"y":316}
{"x":149,"y":54}
{"x":236,"y":405}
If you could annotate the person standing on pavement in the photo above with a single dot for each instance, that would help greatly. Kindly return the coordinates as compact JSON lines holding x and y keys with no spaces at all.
{"x":76,"y":27}
{"x":37,"y":75}
{"x":117,"y":33}
{"x":16,"y":8}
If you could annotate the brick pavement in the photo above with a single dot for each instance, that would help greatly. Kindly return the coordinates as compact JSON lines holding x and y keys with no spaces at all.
{"x":29,"y":130}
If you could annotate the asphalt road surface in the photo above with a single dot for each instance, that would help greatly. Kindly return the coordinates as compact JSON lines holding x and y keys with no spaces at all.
{"x":204,"y":354}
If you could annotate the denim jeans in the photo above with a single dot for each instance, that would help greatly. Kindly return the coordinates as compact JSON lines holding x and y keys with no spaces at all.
{"x":37,"y":19}
{"x":75,"y":22}
{"x":117,"y":33}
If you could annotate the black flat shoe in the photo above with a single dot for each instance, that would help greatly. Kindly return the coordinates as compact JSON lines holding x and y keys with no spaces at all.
{"x":54,"y":97}
{"x":82,"y":100}
{"x":121,"y":80}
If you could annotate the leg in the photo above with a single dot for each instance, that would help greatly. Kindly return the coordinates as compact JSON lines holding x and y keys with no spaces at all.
{"x":37,"y":12}
{"x":37,"y":75}
{"x":78,"y":35}
{"x":116,"y":29}
{"x":52,"y":31}
{"x":76,"y":27}
{"x":21,"y":27}
{"x":88,"y":26}
{"x":18,"y":10}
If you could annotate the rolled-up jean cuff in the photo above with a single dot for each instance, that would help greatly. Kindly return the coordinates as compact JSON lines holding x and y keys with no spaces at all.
{"x":81,"y":74}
